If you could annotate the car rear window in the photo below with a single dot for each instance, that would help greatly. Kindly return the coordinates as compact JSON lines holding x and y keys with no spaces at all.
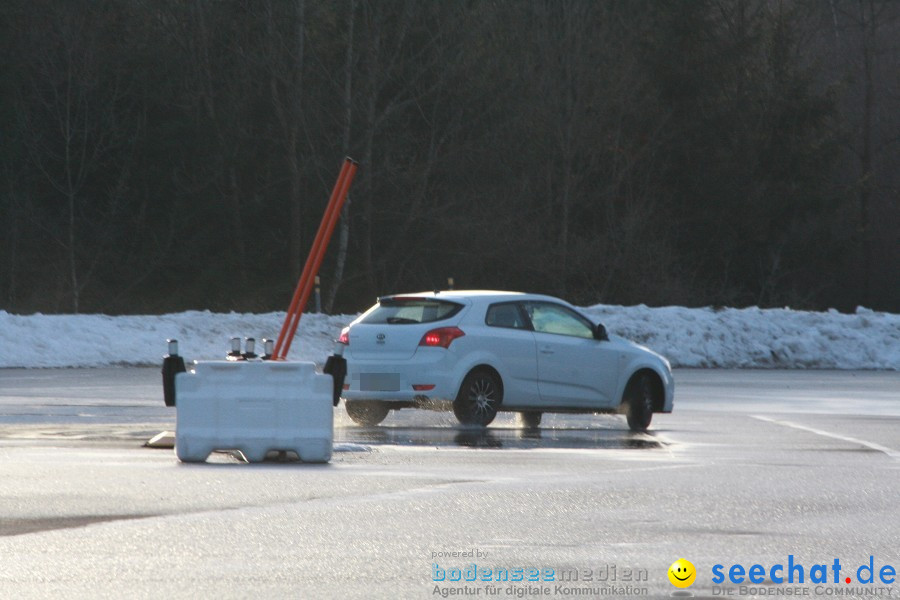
{"x":401,"y":311}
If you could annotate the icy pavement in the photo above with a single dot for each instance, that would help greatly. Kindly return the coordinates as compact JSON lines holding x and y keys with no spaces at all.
{"x":89,"y":513}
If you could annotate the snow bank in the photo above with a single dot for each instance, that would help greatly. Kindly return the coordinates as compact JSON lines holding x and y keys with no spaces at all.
{"x":689,"y":337}
{"x":100,"y":340}
{"x":759,"y":338}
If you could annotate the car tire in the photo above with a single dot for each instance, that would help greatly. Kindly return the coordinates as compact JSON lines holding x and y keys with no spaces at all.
{"x":479,"y":398}
{"x":530,"y":419}
{"x":367,"y":412}
{"x":639,"y":400}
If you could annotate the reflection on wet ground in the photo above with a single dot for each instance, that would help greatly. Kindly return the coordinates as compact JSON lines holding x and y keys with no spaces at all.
{"x":499,"y":437}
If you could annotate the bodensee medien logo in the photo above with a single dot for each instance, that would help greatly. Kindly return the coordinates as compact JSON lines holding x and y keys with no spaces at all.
{"x":477,"y":579}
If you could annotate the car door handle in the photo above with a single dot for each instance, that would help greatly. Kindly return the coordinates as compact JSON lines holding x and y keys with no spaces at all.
{"x":546,"y":351}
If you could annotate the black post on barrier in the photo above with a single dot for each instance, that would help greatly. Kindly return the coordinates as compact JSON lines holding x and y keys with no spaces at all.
{"x":336,"y":366}
{"x":318,"y":293}
{"x":172,"y":366}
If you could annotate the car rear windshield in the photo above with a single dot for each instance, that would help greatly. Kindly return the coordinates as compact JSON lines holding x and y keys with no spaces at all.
{"x":400,"y":311}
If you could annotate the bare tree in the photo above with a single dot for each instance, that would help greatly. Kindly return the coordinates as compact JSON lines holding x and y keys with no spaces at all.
{"x":76,"y":124}
{"x":285,"y":60}
{"x":399,"y":66}
{"x":346,"y":132}
{"x":866,"y":43}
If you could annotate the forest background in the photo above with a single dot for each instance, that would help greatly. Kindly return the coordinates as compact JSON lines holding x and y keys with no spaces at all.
{"x":162,"y":155}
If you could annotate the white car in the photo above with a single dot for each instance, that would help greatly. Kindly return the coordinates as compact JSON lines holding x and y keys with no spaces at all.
{"x":486,"y":351}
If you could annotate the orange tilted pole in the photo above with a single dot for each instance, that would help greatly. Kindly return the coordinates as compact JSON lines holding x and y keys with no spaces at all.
{"x":301,"y":284}
{"x":314,"y":260}
{"x":319,"y":256}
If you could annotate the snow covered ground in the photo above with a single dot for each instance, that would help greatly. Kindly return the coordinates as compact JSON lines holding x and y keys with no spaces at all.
{"x":760,"y":338}
{"x":689,"y":337}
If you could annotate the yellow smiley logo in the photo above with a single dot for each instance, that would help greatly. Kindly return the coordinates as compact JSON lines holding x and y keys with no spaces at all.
{"x":682,"y":573}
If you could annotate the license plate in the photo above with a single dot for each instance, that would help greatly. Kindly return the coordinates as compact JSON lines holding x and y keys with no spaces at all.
{"x":379,"y":382}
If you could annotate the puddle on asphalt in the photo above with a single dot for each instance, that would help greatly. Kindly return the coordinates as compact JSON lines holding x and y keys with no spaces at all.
{"x":499,"y":438}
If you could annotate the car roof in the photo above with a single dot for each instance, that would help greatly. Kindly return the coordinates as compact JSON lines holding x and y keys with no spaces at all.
{"x":477,"y":295}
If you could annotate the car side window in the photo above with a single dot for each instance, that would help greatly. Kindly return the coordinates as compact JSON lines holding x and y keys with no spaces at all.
{"x":547,"y":317}
{"x":505,"y":314}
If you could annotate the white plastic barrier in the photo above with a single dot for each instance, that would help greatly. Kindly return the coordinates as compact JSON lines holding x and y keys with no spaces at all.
{"x":254,"y":407}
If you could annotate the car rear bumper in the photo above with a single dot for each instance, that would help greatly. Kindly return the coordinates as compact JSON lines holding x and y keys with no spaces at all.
{"x":428,"y":375}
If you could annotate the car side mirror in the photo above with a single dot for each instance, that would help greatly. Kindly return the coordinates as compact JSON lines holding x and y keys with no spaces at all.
{"x":600,"y":333}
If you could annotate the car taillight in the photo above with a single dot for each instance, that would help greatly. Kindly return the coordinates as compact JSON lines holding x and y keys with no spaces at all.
{"x":345,"y":336}
{"x":441,"y":337}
